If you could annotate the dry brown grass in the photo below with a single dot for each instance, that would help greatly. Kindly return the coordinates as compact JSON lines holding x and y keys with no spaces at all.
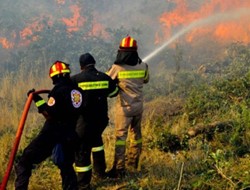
{"x":13,"y":96}
{"x":158,"y":170}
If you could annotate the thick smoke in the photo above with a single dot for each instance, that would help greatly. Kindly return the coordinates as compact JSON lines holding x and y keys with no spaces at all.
{"x":158,"y":21}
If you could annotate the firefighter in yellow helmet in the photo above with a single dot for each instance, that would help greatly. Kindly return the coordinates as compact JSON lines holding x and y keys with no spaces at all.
{"x":61,"y":112}
{"x":131,"y":73}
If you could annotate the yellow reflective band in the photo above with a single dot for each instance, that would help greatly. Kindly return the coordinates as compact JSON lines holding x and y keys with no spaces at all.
{"x":139,"y":141}
{"x":94,"y":85}
{"x":98,"y":148}
{"x":82,"y":169}
{"x":58,"y":72}
{"x":39,"y":103}
{"x":114,"y":92}
{"x":131,"y":74}
{"x":120,"y":143}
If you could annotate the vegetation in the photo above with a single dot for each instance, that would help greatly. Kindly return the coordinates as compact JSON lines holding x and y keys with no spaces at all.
{"x":213,"y":159}
{"x":196,"y":125}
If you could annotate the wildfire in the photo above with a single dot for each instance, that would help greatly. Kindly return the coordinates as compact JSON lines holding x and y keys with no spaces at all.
{"x":76,"y":21}
{"x":227,"y":30}
{"x":182,"y":15}
{"x":73,"y":23}
{"x":6,"y":44}
{"x":27,"y":34}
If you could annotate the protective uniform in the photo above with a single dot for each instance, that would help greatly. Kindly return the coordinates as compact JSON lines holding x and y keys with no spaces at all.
{"x":61,"y":112}
{"x":90,"y":126}
{"x":131,"y":74}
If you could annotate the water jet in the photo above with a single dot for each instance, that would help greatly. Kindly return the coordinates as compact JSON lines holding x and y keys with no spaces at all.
{"x":213,"y":19}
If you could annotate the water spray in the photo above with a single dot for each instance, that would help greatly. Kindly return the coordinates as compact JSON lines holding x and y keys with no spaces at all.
{"x":214,"y":19}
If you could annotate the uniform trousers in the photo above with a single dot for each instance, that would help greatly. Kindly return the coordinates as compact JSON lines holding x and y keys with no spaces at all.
{"x":127,"y":127}
{"x":41,"y":148}
{"x":91,"y":144}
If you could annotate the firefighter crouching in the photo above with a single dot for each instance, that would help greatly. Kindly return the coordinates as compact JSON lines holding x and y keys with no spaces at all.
{"x":131,"y":73}
{"x":91,"y":124}
{"x":64,"y":105}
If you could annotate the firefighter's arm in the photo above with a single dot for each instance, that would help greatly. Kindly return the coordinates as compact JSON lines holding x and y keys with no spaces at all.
{"x":114,"y":89}
{"x":146,"y":77}
{"x":40,"y":103}
{"x":112,"y":73}
{"x":42,"y":106}
{"x":37,"y":99}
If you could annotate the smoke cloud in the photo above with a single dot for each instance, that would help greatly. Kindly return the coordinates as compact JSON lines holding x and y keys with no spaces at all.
{"x":158,"y":21}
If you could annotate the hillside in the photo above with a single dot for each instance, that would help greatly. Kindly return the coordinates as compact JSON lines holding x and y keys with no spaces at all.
{"x":196,"y":136}
{"x":34,"y":34}
{"x":196,"y":126}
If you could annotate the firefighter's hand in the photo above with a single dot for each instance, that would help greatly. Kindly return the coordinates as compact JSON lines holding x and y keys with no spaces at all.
{"x":30,"y":91}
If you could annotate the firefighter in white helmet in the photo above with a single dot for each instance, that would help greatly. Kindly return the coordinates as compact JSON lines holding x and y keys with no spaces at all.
{"x":131,"y":73}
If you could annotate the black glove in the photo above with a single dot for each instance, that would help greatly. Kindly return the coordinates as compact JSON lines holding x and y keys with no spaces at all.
{"x":30,"y":91}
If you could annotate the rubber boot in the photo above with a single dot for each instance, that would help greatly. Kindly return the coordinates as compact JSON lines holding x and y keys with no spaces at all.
{"x":99,"y":164}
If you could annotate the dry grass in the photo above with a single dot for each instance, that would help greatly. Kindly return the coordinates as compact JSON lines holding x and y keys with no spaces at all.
{"x":158,"y":170}
{"x":13,"y":96}
{"x":155,"y":169}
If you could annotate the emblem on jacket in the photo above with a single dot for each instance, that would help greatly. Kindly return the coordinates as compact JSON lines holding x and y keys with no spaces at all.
{"x":51,"y":101}
{"x":76,"y":98}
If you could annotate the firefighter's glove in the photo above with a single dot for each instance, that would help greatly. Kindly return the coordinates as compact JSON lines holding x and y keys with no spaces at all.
{"x":36,"y":97}
{"x":30,"y":91}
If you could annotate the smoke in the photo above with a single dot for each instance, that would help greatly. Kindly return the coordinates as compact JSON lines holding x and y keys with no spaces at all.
{"x":142,"y":14}
{"x":211,"y":20}
{"x":160,"y":22}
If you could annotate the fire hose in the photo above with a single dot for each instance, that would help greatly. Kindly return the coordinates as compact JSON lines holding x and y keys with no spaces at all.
{"x":18,"y":137}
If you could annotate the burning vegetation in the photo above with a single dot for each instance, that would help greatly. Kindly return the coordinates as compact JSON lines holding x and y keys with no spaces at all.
{"x":196,"y":121}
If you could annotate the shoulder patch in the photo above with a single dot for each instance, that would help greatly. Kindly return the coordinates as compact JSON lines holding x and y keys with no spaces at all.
{"x":51,"y":101}
{"x":76,"y":98}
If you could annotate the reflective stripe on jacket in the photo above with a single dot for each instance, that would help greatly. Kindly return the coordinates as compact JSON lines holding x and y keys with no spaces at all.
{"x":130,"y":82}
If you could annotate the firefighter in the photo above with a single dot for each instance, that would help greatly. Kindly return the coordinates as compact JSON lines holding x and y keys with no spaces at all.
{"x":91,"y":124}
{"x":61,"y":112}
{"x":131,"y":73}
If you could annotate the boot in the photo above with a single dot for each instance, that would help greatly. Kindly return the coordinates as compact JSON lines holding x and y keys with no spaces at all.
{"x":99,"y":165}
{"x":116,"y":173}
{"x":111,"y":173}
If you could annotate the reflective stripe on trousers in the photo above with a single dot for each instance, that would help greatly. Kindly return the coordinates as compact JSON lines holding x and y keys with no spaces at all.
{"x":83,"y":168}
{"x":97,"y":149}
{"x":127,"y":126}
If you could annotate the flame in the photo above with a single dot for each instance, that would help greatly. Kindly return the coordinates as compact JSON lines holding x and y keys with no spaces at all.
{"x":98,"y":29}
{"x":27,"y":34}
{"x":76,"y":21}
{"x":6,"y":44}
{"x":227,"y":31}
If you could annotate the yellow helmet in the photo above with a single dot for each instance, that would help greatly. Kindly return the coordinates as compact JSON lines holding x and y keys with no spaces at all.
{"x":58,"y":67}
{"x":128,"y":44}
